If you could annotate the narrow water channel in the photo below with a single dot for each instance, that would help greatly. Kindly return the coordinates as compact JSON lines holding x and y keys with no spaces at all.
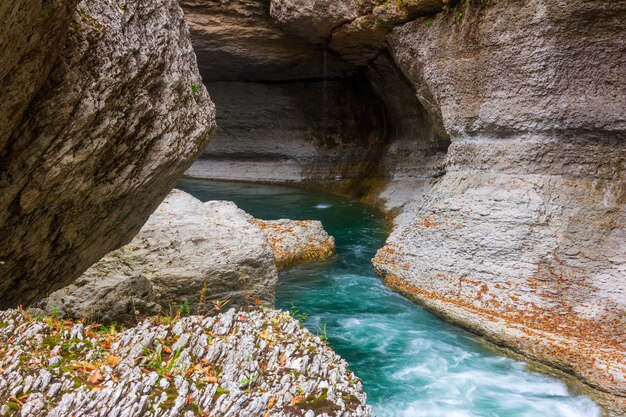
{"x":412,"y":364}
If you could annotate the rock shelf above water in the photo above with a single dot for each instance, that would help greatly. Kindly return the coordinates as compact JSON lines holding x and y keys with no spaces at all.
{"x":297,"y":241}
{"x":256,"y":363}
{"x":192,"y":253}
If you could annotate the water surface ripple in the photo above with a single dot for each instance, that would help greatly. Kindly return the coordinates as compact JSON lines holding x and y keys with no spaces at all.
{"x":412,"y":364}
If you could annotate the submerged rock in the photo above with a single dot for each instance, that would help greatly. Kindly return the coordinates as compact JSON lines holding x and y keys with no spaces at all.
{"x":192,"y":253}
{"x":297,"y":241}
{"x":256,"y":363}
{"x":87,"y":158}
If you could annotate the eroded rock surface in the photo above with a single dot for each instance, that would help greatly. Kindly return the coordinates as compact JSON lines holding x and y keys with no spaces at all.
{"x":238,"y":40}
{"x":235,"y":364}
{"x":297,"y":241}
{"x":191,"y":254}
{"x":313,"y":131}
{"x":31,"y":37}
{"x":122,"y":114}
{"x":522,"y":238}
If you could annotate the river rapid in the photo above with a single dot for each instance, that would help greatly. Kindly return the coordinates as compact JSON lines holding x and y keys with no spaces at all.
{"x":412,"y":363}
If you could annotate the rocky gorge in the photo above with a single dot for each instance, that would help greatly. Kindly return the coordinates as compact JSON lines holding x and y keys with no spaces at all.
{"x":492,"y":133}
{"x":495,"y":136}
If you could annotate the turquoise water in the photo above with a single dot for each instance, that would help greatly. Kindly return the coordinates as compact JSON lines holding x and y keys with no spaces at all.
{"x":412,"y":364}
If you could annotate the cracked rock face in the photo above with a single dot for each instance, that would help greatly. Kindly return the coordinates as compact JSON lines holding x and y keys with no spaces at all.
{"x":190,"y":253}
{"x":522,"y":238}
{"x":120,"y":117}
{"x":235,"y":364}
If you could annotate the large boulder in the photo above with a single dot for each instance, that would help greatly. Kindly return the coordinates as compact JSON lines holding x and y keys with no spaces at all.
{"x":235,"y":364}
{"x":122,"y":114}
{"x":191,"y":253}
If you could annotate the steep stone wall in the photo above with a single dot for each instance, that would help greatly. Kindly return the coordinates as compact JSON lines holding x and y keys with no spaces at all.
{"x":522,"y":239}
{"x":121,"y":115}
{"x":313,"y":131}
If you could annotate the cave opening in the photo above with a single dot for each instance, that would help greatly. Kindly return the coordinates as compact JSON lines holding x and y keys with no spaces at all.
{"x":291,"y":110}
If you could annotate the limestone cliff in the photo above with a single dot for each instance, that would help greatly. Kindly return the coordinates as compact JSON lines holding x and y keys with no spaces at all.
{"x":90,"y":149}
{"x":522,"y":239}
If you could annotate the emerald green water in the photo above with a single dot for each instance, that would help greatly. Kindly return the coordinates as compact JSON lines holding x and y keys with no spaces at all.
{"x":412,"y":364}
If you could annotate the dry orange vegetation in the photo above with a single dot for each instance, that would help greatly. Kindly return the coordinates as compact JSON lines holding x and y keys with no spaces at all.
{"x":554,"y":332}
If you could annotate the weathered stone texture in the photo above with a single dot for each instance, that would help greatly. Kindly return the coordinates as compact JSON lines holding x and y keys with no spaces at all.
{"x":311,"y":131}
{"x":297,"y":241}
{"x":121,"y":116}
{"x":235,"y":364}
{"x":239,"y":40}
{"x":31,"y":37}
{"x":522,"y":239}
{"x":316,"y":19}
{"x":191,"y":253}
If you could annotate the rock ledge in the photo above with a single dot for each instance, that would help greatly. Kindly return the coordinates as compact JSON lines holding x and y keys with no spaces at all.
{"x":257,"y":363}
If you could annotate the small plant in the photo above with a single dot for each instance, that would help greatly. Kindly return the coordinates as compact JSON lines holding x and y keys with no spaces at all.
{"x":321,"y":333}
{"x":195,"y":89}
{"x":155,"y":361}
{"x":184,"y":310}
{"x":298,"y":314}
{"x":429,"y":22}
{"x":171,"y":317}
{"x":108,"y":330}
{"x":247,"y":383}
{"x":201,"y":299}
{"x":218,"y":305}
{"x":56,"y":311}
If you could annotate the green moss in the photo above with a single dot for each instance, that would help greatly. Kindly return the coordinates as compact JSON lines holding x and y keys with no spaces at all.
{"x":318,"y":403}
{"x":13,"y":406}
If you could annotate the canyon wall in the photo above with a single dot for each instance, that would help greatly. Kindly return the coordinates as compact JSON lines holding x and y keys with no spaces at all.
{"x":103,"y":108}
{"x":522,"y":239}
{"x":503,"y":150}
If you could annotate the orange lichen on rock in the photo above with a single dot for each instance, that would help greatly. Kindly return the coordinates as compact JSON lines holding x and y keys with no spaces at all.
{"x":297,"y":241}
{"x":538,"y":317}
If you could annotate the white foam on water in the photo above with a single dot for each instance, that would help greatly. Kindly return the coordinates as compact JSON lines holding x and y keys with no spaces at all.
{"x":323,"y":206}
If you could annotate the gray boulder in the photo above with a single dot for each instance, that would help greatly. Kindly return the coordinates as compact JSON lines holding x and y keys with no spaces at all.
{"x":189,"y":254}
{"x":90,"y":151}
{"x":114,"y":298}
